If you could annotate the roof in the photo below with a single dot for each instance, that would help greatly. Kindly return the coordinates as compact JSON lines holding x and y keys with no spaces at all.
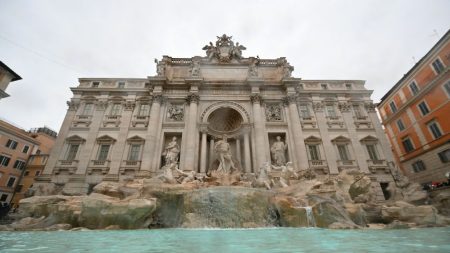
{"x":414,"y":67}
{"x":15,"y":75}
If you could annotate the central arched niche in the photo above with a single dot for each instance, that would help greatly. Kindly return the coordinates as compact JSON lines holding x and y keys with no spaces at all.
{"x":225,"y":120}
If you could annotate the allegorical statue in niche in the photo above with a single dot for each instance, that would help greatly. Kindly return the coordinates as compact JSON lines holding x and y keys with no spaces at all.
{"x":171,"y":152}
{"x":278,"y":151}
{"x":195,"y":70}
{"x":160,"y":67}
{"x":223,"y":152}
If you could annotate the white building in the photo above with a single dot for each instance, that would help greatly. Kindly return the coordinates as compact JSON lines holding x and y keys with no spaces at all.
{"x":118,"y":128}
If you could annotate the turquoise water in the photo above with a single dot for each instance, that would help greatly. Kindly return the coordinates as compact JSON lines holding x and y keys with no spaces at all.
{"x":424,"y":240}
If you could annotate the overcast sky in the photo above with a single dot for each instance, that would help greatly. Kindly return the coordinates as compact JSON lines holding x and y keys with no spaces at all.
{"x":51,"y":44}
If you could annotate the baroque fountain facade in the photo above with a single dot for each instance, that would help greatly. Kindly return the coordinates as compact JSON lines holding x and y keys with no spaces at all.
{"x":222,"y":140}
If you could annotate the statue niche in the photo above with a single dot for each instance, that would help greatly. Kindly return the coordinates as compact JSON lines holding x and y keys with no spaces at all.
{"x":278,"y":149}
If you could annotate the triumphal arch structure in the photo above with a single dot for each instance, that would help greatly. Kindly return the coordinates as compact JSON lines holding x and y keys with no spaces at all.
{"x":121,"y":128}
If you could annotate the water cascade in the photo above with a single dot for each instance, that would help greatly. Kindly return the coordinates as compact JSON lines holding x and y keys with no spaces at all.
{"x":310,"y":216}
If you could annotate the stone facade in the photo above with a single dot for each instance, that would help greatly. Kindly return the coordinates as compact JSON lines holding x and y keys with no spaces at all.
{"x":117,"y":129}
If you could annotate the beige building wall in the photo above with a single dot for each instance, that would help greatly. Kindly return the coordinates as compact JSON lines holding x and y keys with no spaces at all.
{"x":199,"y":99}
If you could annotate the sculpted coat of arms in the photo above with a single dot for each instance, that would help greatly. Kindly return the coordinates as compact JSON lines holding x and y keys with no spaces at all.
{"x":224,"y":50}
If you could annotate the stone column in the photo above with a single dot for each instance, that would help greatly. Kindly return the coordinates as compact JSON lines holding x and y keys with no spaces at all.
{"x":359,"y":154}
{"x":118,"y":153}
{"x":63,"y":133}
{"x":150,"y":140}
{"x":296,"y":127}
{"x":328,"y":147}
{"x":211,"y":151}
{"x":238,"y":151}
{"x":191,"y":137}
{"x":258,"y":125}
{"x":86,"y":151}
{"x":248,"y":164}
{"x":203,"y":152}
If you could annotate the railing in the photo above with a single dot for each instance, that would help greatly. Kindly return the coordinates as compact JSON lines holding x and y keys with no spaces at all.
{"x":377,"y":163}
{"x":113,"y":117}
{"x":68,"y":163}
{"x":100,"y":163}
{"x":315,"y":163}
{"x":360,"y":117}
{"x":333,"y":117}
{"x":83,"y":117}
{"x":346,"y":163}
{"x":308,"y":118}
{"x":140,"y":120}
{"x":130,"y":163}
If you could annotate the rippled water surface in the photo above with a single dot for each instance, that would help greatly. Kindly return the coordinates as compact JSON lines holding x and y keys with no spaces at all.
{"x":230,"y":240}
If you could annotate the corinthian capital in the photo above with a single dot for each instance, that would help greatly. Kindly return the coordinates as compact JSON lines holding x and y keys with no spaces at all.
{"x":193,"y":98}
{"x":73,"y":105}
{"x":158,"y":98}
{"x":255,"y":98}
{"x":289,"y":99}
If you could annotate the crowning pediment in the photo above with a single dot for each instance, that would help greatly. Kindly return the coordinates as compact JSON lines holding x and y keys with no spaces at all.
{"x":75,"y":139}
{"x":106,"y":139}
{"x":369,"y":138}
{"x":313,"y":139}
{"x":340,"y":138}
{"x":136,"y":139}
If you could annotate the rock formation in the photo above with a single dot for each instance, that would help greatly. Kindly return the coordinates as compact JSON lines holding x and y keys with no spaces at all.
{"x":229,"y":200}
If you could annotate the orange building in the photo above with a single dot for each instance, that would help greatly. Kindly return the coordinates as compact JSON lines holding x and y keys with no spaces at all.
{"x":16,"y":145}
{"x":36,"y":162}
{"x":416,"y":116}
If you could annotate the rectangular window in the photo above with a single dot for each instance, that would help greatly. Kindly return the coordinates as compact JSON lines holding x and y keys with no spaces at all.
{"x":418,"y":166}
{"x":408,"y":145}
{"x":103,"y":152}
{"x":393,"y":107}
{"x":304,"y":111}
{"x":115,"y":109}
{"x":72,"y":152}
{"x":400,"y":125}
{"x":444,"y":156}
{"x":11,"y":144}
{"x":19,"y":165}
{"x":434,"y":129}
{"x":414,"y":88}
{"x":134,"y":152}
{"x":372,"y":150}
{"x":88,"y":109}
{"x":314,"y":152}
{"x":25,"y":149}
{"x":95,"y":84}
{"x":348,"y":86}
{"x":11,"y":182}
{"x":330,"y":111}
{"x":343,"y":152}
{"x":4,"y":160}
{"x":27,"y":173}
{"x":144,"y":109}
{"x":324,"y":86}
{"x":37,"y":173}
{"x":438,"y":66}
{"x":4,"y":197}
{"x":121,"y":85}
{"x":423,"y":108}
{"x":19,"y":188}
{"x":447,"y":88}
